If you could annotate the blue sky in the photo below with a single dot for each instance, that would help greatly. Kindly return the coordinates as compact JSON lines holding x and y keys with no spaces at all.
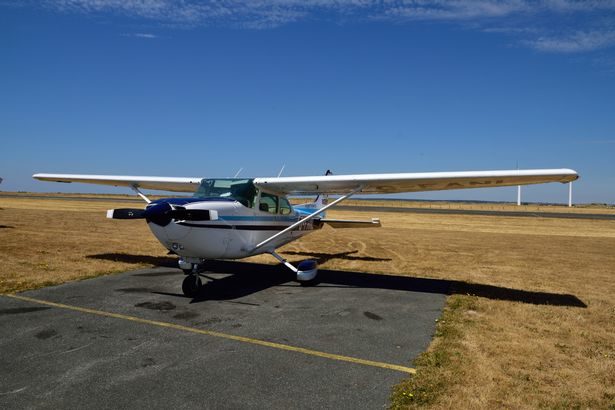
{"x":200,"y":88}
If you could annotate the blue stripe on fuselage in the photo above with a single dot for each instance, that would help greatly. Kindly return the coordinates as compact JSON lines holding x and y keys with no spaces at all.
{"x":300,"y":212}
{"x":185,"y":201}
{"x":259,"y":218}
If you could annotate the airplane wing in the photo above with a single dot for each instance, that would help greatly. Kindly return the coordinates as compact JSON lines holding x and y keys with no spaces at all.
{"x":412,"y":182}
{"x":341,"y":184}
{"x":157,"y":183}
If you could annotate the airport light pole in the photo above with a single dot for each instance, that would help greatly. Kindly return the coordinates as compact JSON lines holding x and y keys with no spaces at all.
{"x":518,"y":195}
{"x":518,"y":189}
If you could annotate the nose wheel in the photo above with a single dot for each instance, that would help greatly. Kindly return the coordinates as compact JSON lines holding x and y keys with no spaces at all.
{"x":191,"y":286}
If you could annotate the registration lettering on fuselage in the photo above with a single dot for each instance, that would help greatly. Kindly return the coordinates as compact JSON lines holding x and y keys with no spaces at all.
{"x":306,"y":226}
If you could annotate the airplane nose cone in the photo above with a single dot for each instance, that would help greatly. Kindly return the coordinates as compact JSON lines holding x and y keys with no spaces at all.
{"x":158,"y":214}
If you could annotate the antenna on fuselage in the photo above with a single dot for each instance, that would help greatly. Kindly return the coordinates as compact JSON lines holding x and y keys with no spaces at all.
{"x":238,"y":172}
{"x":281,"y":170}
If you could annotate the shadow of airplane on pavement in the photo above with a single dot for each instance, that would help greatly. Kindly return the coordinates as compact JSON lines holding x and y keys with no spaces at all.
{"x":245,"y":278}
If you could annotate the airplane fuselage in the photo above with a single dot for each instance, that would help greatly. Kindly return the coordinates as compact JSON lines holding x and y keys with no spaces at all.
{"x":232,"y":234}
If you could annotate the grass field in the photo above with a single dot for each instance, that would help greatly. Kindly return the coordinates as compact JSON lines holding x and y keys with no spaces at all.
{"x":530,"y":321}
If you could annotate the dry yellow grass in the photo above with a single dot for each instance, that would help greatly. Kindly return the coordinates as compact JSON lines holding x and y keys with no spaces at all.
{"x":45,"y":242}
{"x":505,"y":347}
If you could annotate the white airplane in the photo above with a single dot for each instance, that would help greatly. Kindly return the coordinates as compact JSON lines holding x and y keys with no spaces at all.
{"x":233,"y":218}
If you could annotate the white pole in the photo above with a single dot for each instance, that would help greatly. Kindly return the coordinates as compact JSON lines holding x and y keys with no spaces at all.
{"x":570,"y":194}
{"x":518,"y":189}
{"x":518,"y":195}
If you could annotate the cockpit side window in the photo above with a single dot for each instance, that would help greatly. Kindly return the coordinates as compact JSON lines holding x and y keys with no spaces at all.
{"x":244,"y":193}
{"x":285,"y":208}
{"x":268,"y":203}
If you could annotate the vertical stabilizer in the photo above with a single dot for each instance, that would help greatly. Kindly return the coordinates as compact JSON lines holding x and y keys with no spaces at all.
{"x":320,"y":202}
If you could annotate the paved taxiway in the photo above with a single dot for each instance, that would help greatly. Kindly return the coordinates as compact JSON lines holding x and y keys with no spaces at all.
{"x":254,"y":339}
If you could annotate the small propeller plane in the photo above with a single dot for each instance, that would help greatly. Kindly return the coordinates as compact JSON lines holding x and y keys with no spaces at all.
{"x":233,"y":218}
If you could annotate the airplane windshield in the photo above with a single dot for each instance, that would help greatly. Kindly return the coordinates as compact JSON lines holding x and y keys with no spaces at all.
{"x":241,"y":190}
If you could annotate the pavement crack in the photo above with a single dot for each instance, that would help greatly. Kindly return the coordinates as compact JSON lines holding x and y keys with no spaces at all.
{"x":14,"y":391}
{"x":76,"y":349}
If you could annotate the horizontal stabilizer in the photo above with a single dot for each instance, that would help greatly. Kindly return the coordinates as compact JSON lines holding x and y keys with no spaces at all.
{"x":345,"y":223}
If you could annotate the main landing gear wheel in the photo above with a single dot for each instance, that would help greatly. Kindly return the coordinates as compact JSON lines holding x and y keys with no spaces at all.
{"x":308,"y":283}
{"x":307,"y":272}
{"x":192,"y":285}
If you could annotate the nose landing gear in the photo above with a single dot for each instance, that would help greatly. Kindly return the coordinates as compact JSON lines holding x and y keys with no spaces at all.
{"x":192,"y":284}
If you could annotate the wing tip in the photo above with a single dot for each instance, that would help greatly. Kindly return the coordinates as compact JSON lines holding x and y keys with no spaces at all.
{"x":571,"y":175}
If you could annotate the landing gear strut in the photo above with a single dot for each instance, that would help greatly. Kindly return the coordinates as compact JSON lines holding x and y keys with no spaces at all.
{"x":306,"y":271}
{"x":189,"y":266}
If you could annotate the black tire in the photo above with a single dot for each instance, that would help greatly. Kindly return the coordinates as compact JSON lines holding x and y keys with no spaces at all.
{"x":306,"y":265}
{"x":191,"y":286}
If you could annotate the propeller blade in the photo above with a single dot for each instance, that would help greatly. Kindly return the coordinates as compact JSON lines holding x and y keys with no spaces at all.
{"x":126,"y":213}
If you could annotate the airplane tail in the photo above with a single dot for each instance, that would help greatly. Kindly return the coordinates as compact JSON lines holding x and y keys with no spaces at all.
{"x":311,"y":207}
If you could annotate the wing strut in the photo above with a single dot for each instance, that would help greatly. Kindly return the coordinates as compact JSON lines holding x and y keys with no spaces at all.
{"x":307,"y":218}
{"x":138,"y":192}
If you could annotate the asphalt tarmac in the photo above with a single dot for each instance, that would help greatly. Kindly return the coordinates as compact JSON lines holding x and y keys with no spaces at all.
{"x":254,"y":338}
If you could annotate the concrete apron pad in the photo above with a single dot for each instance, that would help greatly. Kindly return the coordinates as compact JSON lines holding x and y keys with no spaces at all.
{"x":253,"y":338}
